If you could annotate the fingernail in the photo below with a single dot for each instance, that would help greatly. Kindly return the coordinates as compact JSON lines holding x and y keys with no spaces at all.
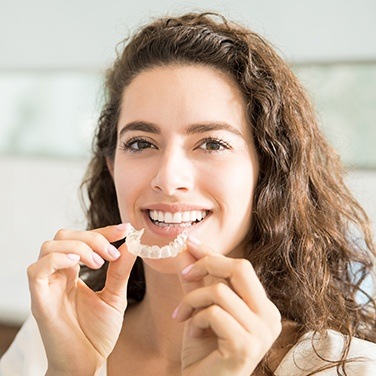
{"x":187,"y":269}
{"x":113,"y":251}
{"x":175,"y":313}
{"x":98,"y":259}
{"x":194,"y":240}
{"x":122,"y":226}
{"x":73,"y":256}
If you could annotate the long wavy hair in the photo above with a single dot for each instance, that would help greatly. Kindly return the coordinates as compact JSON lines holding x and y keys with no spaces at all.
{"x":310,"y":241}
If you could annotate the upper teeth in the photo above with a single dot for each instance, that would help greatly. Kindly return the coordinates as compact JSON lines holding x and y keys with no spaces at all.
{"x":177,"y":217}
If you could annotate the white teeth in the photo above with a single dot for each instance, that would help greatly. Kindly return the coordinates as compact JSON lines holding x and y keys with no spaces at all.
{"x":193,"y":216}
{"x":185,"y":217}
{"x":177,"y":217}
{"x":154,"y":252}
{"x":168,"y":217}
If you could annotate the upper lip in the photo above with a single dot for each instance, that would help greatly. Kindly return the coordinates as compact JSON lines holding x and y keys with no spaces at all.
{"x":174,"y":208}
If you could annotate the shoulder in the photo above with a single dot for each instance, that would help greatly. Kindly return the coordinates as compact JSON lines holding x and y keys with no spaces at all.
{"x":314,"y":351}
{"x":26,"y":355}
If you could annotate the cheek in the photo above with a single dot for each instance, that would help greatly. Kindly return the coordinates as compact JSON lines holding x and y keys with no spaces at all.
{"x":128,"y":183}
{"x":233,"y":185}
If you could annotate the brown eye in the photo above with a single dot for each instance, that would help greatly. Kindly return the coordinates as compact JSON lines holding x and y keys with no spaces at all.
{"x":140,"y":145}
{"x":212,"y":144}
{"x":137,"y":145}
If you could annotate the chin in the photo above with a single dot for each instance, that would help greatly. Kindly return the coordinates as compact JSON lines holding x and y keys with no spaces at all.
{"x":164,"y":266}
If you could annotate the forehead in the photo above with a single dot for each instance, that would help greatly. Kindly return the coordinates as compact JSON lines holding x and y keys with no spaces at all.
{"x":183,"y":95}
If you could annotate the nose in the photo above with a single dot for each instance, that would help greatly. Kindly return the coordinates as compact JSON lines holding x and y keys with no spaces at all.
{"x":174,"y":173}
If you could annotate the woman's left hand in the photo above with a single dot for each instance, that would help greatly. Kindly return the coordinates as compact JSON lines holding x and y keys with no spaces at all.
{"x":230,"y":322}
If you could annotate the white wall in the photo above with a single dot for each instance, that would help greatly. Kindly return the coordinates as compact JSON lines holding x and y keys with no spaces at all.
{"x":39,"y":196}
{"x":82,"y":33}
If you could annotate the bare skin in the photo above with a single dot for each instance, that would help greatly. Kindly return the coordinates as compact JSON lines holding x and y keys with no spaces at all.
{"x":138,"y":353}
{"x":224,"y":324}
{"x":151,"y":342}
{"x":205,"y":312}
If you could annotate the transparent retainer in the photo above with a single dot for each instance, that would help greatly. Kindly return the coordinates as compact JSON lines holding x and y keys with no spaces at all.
{"x":133,"y":241}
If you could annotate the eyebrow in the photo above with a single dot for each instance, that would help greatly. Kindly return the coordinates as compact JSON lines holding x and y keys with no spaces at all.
{"x":140,"y":126}
{"x":148,"y":127}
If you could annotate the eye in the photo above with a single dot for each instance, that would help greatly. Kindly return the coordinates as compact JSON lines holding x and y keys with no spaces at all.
{"x":137,"y":145}
{"x":214,"y":144}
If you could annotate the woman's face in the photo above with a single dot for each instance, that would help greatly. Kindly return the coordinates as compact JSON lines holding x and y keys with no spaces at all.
{"x":185,"y":160}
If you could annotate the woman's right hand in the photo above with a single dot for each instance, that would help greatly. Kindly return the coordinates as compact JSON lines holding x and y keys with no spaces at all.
{"x":79,"y":327}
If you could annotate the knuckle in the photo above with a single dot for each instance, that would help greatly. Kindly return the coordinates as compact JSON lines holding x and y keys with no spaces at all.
{"x":206,"y":259}
{"x":78,"y":246}
{"x":243,"y":265}
{"x":214,"y":311}
{"x":31,"y":272}
{"x":218,"y":289}
{"x":96,"y":237}
{"x":61,"y":234}
{"x":46,"y":245}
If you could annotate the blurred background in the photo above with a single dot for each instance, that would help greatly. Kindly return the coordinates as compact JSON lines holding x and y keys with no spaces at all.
{"x":53,"y":55}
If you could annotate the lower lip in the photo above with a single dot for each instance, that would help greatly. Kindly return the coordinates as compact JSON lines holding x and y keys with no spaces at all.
{"x":169,"y":231}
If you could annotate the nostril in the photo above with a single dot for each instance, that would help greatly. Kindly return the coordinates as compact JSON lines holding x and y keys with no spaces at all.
{"x":173,"y":172}
{"x":172,"y":184}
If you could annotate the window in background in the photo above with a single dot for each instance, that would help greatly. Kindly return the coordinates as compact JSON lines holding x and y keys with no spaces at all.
{"x":54,"y":113}
{"x":49,"y":114}
{"x":345,"y":99}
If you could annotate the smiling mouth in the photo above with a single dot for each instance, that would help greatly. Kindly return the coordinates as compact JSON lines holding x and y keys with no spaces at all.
{"x":177,"y":219}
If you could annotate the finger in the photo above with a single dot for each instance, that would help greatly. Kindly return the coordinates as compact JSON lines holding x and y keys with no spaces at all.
{"x":233,"y":341}
{"x":41,"y":273}
{"x":85,"y":242}
{"x":114,"y":233}
{"x":239,"y":273}
{"x":87,"y":255}
{"x":115,"y":290}
{"x":41,"y":270}
{"x":94,"y":239}
{"x":217,"y":294}
{"x":220,"y":322}
{"x":182,"y":261}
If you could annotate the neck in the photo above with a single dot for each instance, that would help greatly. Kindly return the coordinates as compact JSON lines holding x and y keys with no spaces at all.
{"x":161,"y":334}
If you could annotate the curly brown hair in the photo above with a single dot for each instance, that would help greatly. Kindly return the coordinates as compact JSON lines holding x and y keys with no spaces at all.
{"x":309,"y":242}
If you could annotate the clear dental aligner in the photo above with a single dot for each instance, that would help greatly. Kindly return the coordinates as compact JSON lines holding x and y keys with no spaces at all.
{"x":154,"y":252}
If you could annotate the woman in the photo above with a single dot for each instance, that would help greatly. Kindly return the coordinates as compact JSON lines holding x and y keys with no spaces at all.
{"x":206,"y":131}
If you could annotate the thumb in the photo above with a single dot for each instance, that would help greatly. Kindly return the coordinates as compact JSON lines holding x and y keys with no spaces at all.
{"x":183,"y":262}
{"x":118,"y":272}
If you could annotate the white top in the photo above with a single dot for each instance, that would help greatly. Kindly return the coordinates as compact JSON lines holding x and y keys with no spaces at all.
{"x":26,"y":355}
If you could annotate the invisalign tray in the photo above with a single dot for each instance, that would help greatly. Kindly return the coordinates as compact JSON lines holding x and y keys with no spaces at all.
{"x":154,"y":252}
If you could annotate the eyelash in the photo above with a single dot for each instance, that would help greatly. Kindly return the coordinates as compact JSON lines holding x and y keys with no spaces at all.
{"x":214,"y":140}
{"x":128,"y":145}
